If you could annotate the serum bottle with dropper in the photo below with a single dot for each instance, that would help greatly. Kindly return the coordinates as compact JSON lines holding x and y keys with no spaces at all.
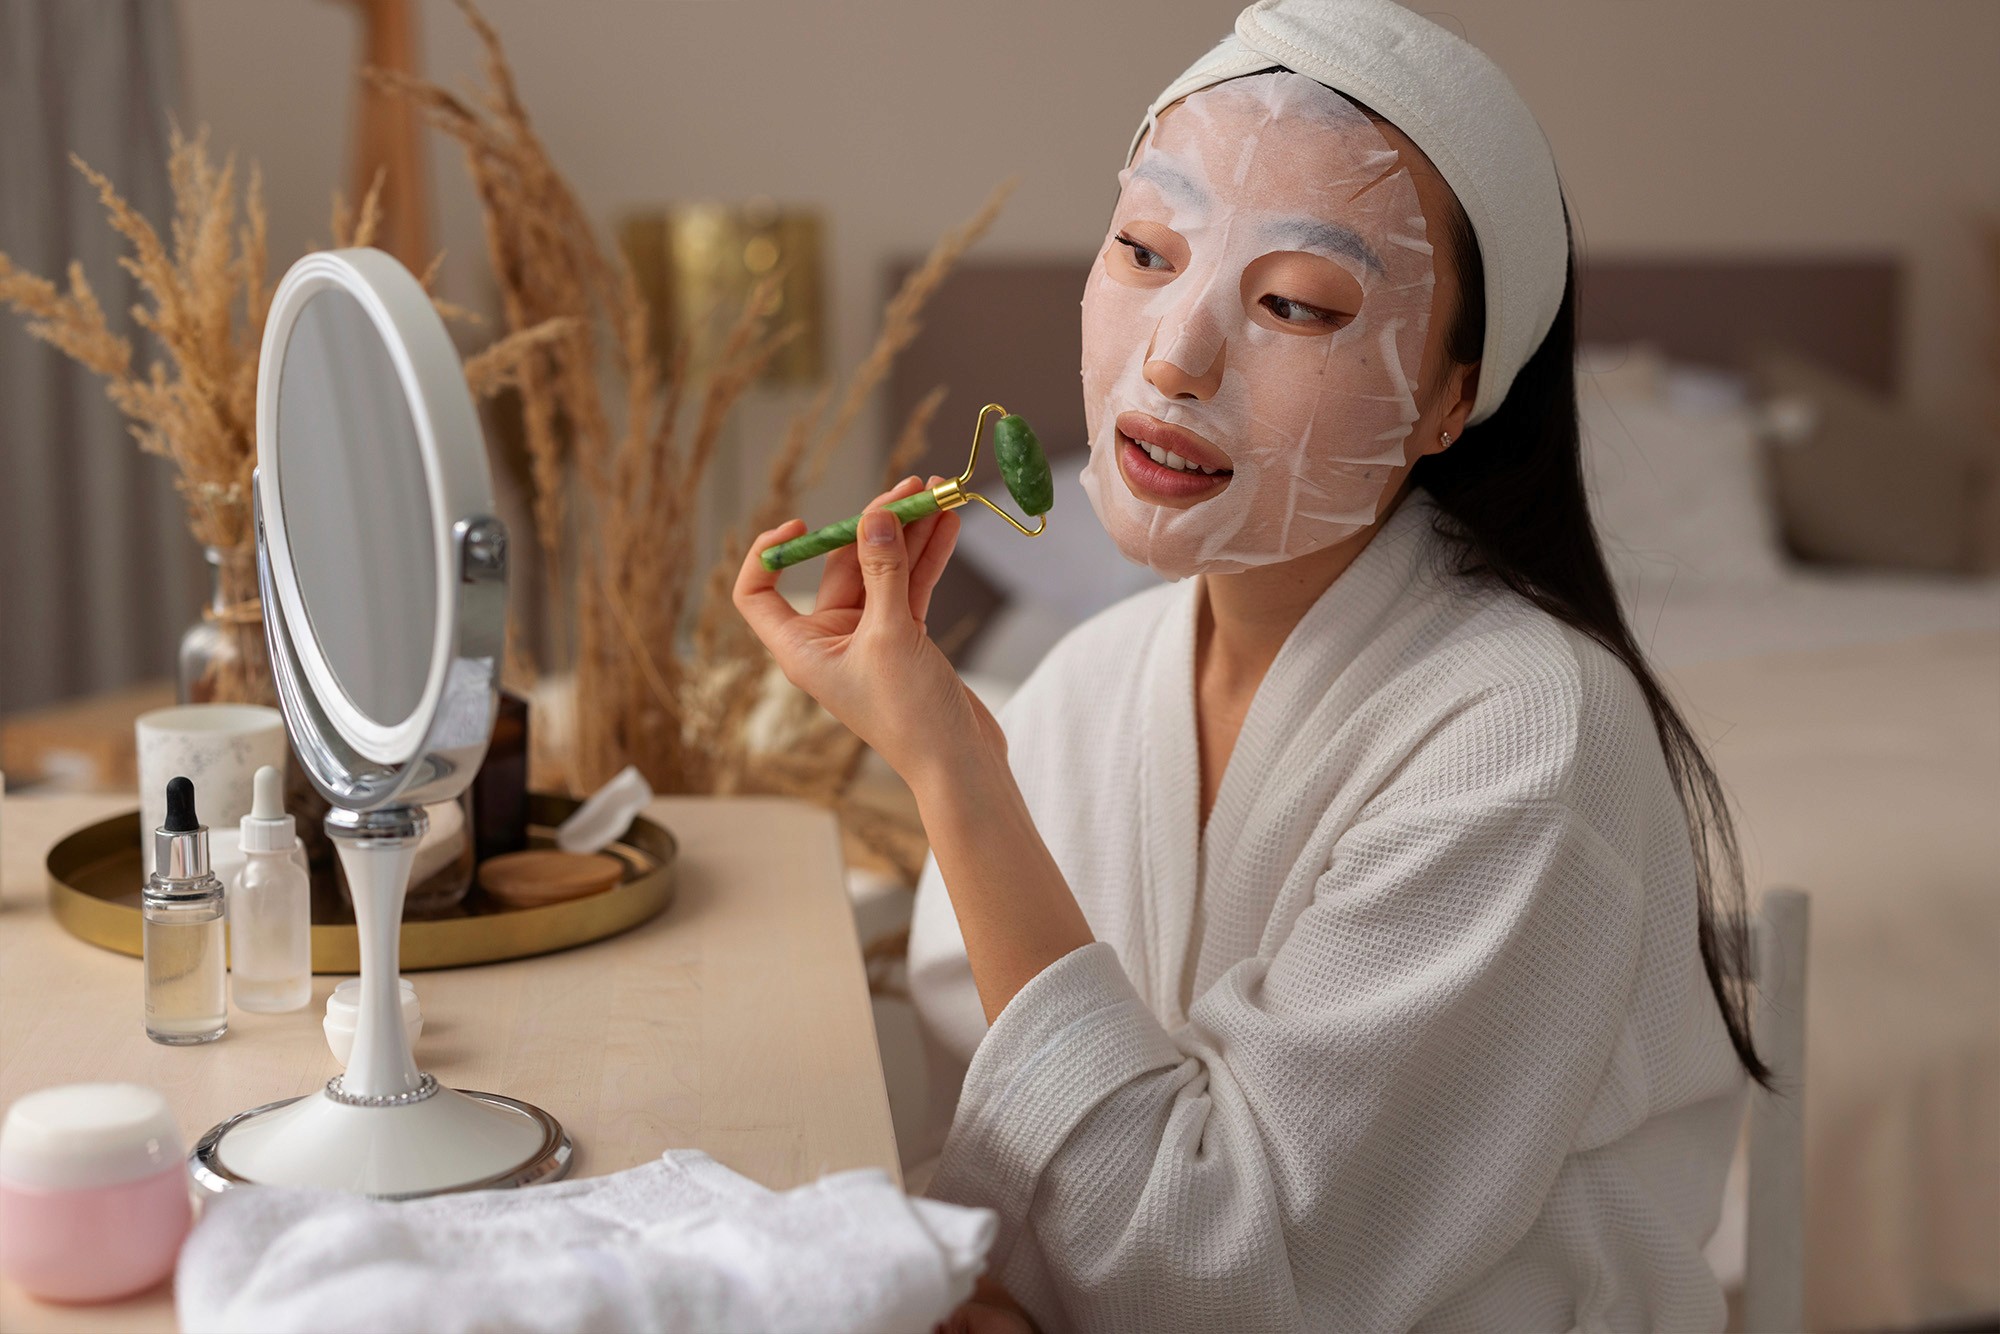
{"x":181,"y":907}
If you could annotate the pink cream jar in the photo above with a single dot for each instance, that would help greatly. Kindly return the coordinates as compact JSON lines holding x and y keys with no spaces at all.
{"x":93,"y":1192}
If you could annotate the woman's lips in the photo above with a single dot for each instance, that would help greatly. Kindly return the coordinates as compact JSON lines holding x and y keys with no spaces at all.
{"x":1156,"y":483}
{"x":1174,"y":439}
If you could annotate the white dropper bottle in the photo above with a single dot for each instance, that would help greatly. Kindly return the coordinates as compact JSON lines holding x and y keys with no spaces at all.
{"x":270,"y":910}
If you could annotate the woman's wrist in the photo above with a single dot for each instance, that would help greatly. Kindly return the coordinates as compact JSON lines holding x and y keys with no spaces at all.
{"x":954,"y":766}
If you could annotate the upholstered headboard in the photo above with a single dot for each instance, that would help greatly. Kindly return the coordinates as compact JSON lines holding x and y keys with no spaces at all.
{"x":1844,"y":313}
{"x":1007,"y":329}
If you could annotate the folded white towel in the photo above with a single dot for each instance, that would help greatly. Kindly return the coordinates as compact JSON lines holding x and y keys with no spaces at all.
{"x":681,"y":1244}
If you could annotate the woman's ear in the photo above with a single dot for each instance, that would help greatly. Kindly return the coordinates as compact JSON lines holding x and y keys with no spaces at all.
{"x":1461,"y":407}
{"x":1461,"y":389}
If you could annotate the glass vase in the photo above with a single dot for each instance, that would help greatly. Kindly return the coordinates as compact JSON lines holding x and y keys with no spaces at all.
{"x":222,"y":656}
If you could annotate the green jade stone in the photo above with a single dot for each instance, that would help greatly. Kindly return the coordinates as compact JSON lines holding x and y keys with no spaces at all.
{"x":1023,"y":466}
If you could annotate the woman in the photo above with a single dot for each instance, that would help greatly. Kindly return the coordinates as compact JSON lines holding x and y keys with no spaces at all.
{"x":1330,"y":936}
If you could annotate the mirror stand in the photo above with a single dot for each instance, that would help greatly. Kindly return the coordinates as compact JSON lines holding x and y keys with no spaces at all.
{"x":384,"y":1128}
{"x":376,"y":850}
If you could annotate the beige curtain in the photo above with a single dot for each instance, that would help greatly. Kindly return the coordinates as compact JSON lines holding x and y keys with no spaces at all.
{"x":97,"y":573}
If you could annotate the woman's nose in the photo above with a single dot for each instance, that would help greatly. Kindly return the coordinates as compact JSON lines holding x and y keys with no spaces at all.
{"x":1186,"y":361}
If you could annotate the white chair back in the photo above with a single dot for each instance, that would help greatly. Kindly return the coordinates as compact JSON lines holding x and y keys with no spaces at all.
{"x":1774,"y":1251}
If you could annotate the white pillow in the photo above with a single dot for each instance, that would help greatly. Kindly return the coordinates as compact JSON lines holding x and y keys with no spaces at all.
{"x":1676,"y":481}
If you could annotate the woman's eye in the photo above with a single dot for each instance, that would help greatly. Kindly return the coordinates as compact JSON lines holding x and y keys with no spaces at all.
{"x":1144,"y":258}
{"x":1298,"y":312}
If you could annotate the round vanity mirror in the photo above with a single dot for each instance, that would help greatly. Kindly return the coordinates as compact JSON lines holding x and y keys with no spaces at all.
{"x":347,"y":460}
{"x":383,"y":573}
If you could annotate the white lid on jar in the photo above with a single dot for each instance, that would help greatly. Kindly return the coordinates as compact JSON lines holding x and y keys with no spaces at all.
{"x":343,"y":1007}
{"x":343,"y":1012}
{"x":77,"y":1136}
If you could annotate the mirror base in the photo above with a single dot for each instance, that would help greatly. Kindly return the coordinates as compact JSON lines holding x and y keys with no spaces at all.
{"x":452,"y":1141}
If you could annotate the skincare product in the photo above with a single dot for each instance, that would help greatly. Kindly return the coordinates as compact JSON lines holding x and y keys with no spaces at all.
{"x":270,"y":909}
{"x":500,"y":792}
{"x":93,"y":1194}
{"x":343,"y":1009}
{"x":183,"y":925}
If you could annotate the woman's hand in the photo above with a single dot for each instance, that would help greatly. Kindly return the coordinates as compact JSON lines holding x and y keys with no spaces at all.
{"x":864,"y":652}
{"x":990,"y":1310}
{"x":979,"y":1318}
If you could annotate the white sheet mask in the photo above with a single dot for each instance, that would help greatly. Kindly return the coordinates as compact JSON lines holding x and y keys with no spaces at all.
{"x":1313,"y":419}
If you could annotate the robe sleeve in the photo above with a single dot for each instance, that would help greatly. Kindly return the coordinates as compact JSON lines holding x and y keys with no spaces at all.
{"x":1348,"y":1131}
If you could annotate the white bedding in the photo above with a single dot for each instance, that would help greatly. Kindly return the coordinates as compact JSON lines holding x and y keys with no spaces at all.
{"x":1804,"y":610}
{"x":1673,"y":459}
{"x":1869,"y":775}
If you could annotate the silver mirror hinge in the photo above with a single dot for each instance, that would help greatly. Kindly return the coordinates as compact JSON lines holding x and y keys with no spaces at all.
{"x":482,"y":550}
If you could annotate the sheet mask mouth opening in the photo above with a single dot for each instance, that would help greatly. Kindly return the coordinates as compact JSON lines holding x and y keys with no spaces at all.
{"x":1159,"y":487}
{"x":1189,"y":467}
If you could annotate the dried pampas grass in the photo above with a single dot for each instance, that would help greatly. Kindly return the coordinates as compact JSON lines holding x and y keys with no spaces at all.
{"x":207,"y":292}
{"x":616,"y":465}
{"x":206,"y":297}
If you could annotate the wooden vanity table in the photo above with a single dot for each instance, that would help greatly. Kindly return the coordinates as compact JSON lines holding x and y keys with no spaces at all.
{"x":737,"y":1022}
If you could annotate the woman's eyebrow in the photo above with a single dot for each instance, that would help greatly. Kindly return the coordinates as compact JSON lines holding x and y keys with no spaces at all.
{"x":1171,"y":181}
{"x":1318,"y":234}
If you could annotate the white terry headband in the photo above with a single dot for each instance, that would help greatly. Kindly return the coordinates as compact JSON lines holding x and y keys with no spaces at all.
{"x":1458,"y":107}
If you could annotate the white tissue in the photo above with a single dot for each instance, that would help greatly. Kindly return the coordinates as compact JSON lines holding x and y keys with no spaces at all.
{"x":606,"y":814}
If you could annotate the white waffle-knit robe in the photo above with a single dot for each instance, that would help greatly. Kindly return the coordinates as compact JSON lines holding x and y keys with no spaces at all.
{"x":1414,"y":1033}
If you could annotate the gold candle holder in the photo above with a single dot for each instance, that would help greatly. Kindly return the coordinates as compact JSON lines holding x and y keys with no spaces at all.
{"x":696,"y":261}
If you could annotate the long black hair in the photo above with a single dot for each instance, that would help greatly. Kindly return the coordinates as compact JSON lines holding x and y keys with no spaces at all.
{"x":1511,"y":498}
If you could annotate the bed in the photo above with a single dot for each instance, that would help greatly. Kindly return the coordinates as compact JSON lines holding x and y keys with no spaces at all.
{"x":1854,"y":714}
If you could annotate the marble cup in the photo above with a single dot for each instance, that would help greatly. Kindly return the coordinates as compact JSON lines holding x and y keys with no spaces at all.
{"x":220,"y":747}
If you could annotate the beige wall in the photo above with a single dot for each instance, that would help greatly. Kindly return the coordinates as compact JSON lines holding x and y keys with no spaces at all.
{"x":1696,"y":125}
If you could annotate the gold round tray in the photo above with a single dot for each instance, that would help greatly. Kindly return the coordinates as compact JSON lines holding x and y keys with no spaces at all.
{"x":95,"y":874}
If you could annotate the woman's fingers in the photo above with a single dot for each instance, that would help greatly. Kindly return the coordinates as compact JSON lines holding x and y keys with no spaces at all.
{"x":840,"y":581}
{"x":917,"y":535}
{"x":885,"y":572}
{"x":756,"y":593}
{"x":929,"y":568}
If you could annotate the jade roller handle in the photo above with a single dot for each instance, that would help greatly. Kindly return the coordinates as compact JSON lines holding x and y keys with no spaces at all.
{"x":837,"y":535}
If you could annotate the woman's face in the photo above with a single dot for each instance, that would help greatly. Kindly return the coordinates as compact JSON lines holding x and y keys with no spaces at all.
{"x":1261,"y":311}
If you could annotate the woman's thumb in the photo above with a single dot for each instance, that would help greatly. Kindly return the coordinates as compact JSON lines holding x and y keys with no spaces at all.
{"x":884,"y":566}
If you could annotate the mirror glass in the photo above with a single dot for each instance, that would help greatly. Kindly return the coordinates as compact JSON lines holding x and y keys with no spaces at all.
{"x":356,"y":507}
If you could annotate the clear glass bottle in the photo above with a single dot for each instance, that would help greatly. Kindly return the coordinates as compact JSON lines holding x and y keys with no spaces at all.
{"x":181,"y":909}
{"x":270,"y":909}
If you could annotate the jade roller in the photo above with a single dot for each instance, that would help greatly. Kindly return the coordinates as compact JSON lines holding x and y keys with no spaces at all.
{"x":1022,"y":466}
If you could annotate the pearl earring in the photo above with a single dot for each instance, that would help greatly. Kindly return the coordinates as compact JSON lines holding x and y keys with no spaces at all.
{"x":1444,"y":439}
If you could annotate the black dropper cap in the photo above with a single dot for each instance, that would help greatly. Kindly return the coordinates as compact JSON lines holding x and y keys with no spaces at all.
{"x":180,"y":807}
{"x":180,"y":846}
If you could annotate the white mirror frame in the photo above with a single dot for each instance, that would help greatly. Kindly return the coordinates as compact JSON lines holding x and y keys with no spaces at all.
{"x":357,"y":761}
